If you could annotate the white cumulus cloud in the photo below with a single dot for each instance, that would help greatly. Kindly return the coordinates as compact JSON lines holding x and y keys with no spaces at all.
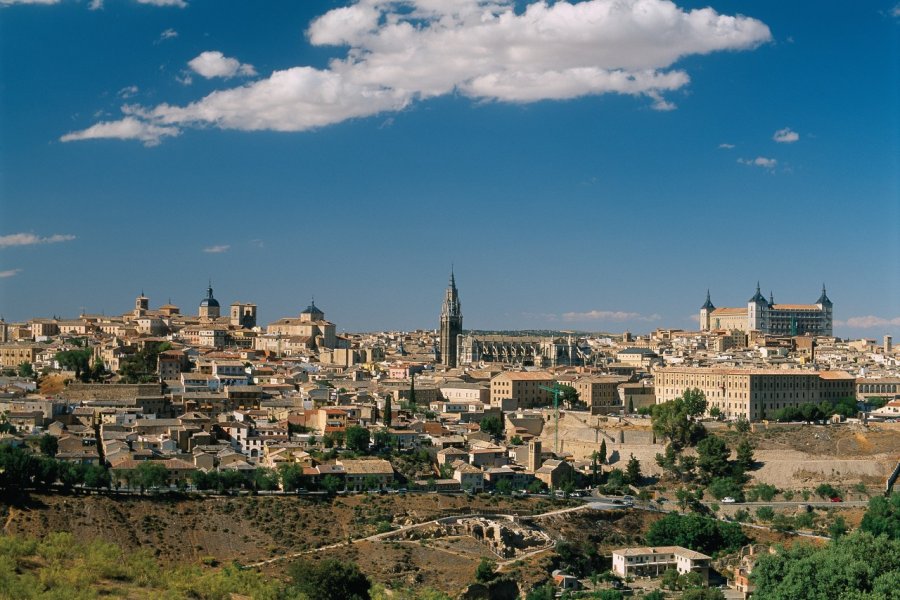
{"x":168,"y":34}
{"x":217,"y":249}
{"x":30,"y":239}
{"x":128,"y":128}
{"x":726,"y":146}
{"x":9,"y":273}
{"x":615,"y":316}
{"x":213,"y":63}
{"x":176,"y":3}
{"x":869,"y":322}
{"x":403,"y":51}
{"x":786,"y":136}
{"x":759,"y":161}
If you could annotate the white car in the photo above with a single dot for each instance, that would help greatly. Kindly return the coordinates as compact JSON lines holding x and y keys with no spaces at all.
{"x":728,"y":500}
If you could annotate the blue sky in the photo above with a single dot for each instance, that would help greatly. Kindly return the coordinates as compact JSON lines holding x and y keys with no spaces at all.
{"x":593,"y":165}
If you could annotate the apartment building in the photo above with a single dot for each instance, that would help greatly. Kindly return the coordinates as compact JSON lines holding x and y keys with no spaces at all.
{"x":514,"y":390}
{"x":754,"y":393}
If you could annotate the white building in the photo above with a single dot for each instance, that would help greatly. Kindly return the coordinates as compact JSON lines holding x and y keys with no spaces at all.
{"x":653,"y":561}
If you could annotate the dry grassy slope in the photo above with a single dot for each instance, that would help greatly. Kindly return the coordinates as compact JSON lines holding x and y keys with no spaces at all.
{"x":244,"y":529}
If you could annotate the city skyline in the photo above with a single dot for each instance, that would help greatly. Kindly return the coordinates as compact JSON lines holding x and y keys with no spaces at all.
{"x":201,"y":140}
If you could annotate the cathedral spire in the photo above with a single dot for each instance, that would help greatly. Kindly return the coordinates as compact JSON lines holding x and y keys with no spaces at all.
{"x":451,"y":323}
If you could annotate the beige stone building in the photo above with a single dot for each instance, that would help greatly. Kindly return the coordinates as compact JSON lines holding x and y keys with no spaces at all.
{"x":13,"y":355}
{"x":310,"y":325}
{"x":754,"y":394}
{"x":599,"y":392}
{"x":514,"y":390}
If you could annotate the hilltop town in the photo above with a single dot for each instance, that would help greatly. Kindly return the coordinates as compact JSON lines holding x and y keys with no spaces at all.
{"x":557,"y":427}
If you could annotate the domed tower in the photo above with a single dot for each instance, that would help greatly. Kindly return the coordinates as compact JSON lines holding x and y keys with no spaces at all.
{"x":451,"y":324}
{"x":209,"y":306}
{"x":757,"y":312}
{"x":312,"y":313}
{"x":705,"y":312}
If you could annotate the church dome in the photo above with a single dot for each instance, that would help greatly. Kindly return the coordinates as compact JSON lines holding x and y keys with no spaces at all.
{"x":209,"y":301}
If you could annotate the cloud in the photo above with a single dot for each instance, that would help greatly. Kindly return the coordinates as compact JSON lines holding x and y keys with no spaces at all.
{"x":30,"y":239}
{"x":95,"y":5}
{"x":128,"y":128}
{"x":217,"y":249}
{"x":168,"y":34}
{"x":176,"y":3}
{"x":403,"y":51}
{"x":616,"y":316}
{"x":786,"y":136}
{"x":759,"y":161}
{"x":215,"y":64}
{"x":895,"y":12}
{"x":868,"y":322}
{"x":128,"y":92}
{"x":9,"y":273}
{"x":725,"y":146}
{"x":11,"y":2}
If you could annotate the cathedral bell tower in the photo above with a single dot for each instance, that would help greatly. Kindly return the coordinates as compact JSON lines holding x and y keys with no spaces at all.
{"x":451,"y":324}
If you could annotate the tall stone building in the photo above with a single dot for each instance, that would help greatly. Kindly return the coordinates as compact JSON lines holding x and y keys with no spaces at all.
{"x":451,"y":324}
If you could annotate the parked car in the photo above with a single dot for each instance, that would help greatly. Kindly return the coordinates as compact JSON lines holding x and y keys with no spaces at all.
{"x":837,"y":499}
{"x":728,"y":500}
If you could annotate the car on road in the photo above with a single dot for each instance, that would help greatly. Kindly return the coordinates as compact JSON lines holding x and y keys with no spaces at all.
{"x":728,"y":500}
{"x":837,"y":499}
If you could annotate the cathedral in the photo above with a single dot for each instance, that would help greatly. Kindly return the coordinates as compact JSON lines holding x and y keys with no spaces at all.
{"x":765,"y":316}
{"x":451,"y":324}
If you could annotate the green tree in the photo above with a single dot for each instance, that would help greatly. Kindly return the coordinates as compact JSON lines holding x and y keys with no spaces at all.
{"x":765,"y":513}
{"x":388,"y":411}
{"x":856,"y":566}
{"x":544,"y":592}
{"x":630,"y":405}
{"x":358,"y":438}
{"x":515,"y":440}
{"x":493,"y":426}
{"x":96,"y":476}
{"x":633,"y":474}
{"x":569,"y":396}
{"x":610,"y":595}
{"x":697,"y":533}
{"x":883,"y":516}
{"x":602,"y":456}
{"x":329,"y":579}
{"x":291,"y":476}
{"x":742,"y":425}
{"x":76,"y":360}
{"x":486,"y":571}
{"x":838,"y":527}
{"x":26,"y":369}
{"x":712,"y":458}
{"x":151,"y":474}
{"x":826,"y":490}
{"x":412,"y":391}
{"x":676,"y":420}
{"x":744,"y":461}
{"x":265,"y":479}
{"x":331,"y":484}
{"x":722,"y":487}
{"x":49,"y":445}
